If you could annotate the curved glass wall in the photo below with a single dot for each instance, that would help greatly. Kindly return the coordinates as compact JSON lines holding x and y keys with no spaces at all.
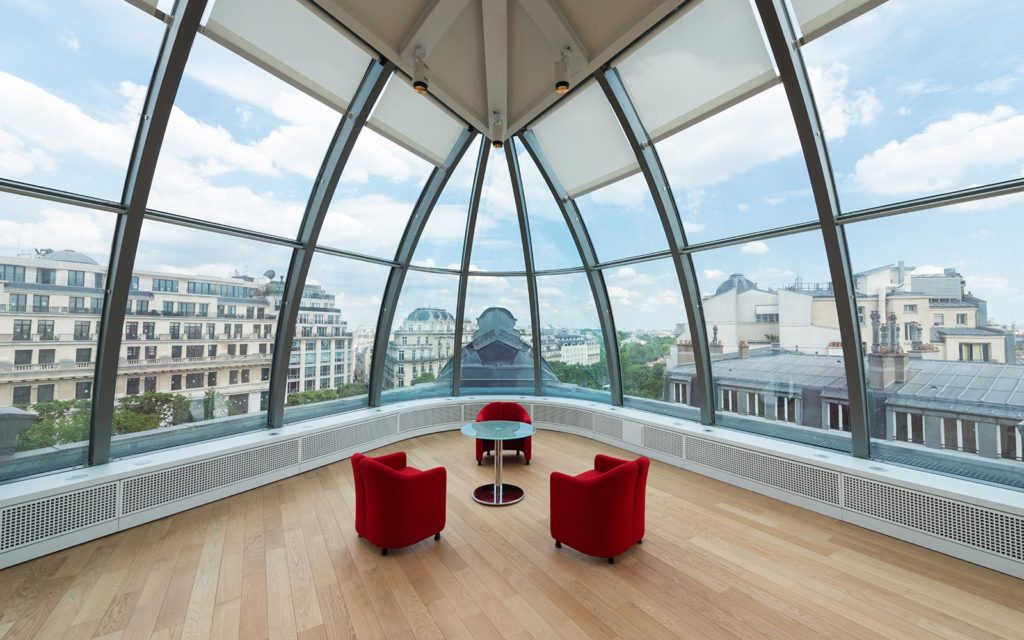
{"x":258,"y":106}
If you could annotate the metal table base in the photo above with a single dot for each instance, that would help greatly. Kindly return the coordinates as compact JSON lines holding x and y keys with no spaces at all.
{"x":498,"y":494}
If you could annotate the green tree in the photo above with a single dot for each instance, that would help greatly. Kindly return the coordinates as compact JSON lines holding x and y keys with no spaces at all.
{"x":58,"y":422}
{"x":423,"y":378}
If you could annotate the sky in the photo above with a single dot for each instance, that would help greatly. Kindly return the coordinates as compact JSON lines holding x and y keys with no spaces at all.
{"x":917,"y":97}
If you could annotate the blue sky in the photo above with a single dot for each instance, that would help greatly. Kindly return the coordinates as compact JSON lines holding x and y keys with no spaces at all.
{"x":917,"y":97}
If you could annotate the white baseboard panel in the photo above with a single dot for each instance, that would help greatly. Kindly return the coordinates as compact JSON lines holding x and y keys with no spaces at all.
{"x":977,"y":523}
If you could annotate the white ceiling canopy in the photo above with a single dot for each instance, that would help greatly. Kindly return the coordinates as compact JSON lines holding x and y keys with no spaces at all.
{"x":487,"y":56}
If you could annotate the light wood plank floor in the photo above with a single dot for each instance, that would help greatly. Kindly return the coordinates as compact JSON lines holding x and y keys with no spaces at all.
{"x":283,"y":561}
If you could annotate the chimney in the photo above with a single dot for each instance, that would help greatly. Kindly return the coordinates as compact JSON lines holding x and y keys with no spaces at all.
{"x":876,"y":332}
{"x":744,"y":349}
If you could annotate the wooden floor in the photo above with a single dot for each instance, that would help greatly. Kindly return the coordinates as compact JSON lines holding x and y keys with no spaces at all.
{"x":283,"y":561}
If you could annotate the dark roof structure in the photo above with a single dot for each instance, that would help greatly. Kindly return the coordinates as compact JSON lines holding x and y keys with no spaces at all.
{"x":738,"y":282}
{"x":428,"y":314}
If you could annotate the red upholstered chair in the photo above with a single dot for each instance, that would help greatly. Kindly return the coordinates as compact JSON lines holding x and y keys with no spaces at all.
{"x":601,"y":512}
{"x":505,"y":411}
{"x":397,"y":505}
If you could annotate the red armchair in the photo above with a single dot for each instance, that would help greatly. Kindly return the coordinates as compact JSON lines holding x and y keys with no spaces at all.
{"x":601,"y":512}
{"x":397,"y":505}
{"x":505,"y":411}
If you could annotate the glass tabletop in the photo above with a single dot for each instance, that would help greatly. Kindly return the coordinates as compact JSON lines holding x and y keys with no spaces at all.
{"x":498,"y":429}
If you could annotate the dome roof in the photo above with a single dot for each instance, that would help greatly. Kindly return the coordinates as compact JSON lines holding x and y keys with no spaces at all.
{"x":426,"y":314}
{"x":68,"y":255}
{"x":738,"y":282}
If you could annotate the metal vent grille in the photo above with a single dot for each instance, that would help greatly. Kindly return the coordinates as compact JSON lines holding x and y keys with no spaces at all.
{"x":34,"y":521}
{"x":991,"y":531}
{"x":611,"y":427}
{"x":432,"y":417}
{"x":664,"y":441}
{"x":469,"y":411}
{"x":565,"y":417}
{"x":328,"y":442}
{"x":154,"y":489}
{"x":805,"y":480}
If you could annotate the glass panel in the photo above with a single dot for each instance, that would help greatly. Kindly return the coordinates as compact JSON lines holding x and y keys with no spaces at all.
{"x":553,"y":247}
{"x":622,"y":221}
{"x":819,"y":16}
{"x":443,"y":235}
{"x":211,"y":316}
{"x":422,"y":339}
{"x":329,"y":369}
{"x":497,"y":238}
{"x":415,"y":122}
{"x":242,"y":147}
{"x":322,"y":61}
{"x":776,"y":352}
{"x":712,"y":55}
{"x":73,"y":78}
{"x":740,"y":170}
{"x":649,"y":314}
{"x":946,"y":286}
{"x":572,"y":343}
{"x":499,"y":355}
{"x":49,"y":350}
{"x":375,"y":197}
{"x":583,"y":142}
{"x":920,"y":98}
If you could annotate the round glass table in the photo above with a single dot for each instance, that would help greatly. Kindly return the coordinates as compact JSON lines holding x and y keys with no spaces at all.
{"x":498,"y":494}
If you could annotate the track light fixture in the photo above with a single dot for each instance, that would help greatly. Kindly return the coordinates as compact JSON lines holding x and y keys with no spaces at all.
{"x":562,"y":72}
{"x":497,"y":124}
{"x":420,"y":83}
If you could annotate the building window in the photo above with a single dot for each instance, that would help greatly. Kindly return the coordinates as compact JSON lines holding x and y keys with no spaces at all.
{"x":194,"y":351}
{"x":910,"y":308}
{"x":40,"y":304}
{"x":133,"y":354}
{"x":12,"y":273}
{"x":938,"y":320}
{"x":131,"y":330}
{"x":309,"y":372}
{"x":909,"y":427}
{"x":162,"y":284}
{"x":974,"y":352}
{"x":44,"y":393}
{"x":231,"y":349}
{"x":211,"y":379}
{"x":193,"y":381}
{"x":838,"y":416}
{"x":175,"y":330}
{"x":98,"y":279}
{"x":730,"y":400}
{"x":132,"y":387}
{"x":265,"y":374}
{"x":150,"y":353}
{"x":46,"y":276}
{"x":17,"y":302}
{"x":149,"y":330}
{"x":1010,"y":444}
{"x":23,"y":356}
{"x":245,"y":376}
{"x":767,"y":318}
{"x":960,"y":435}
{"x":76,"y":304}
{"x":22,"y":395}
{"x":193,"y":331}
{"x":233,"y":376}
{"x":96,"y":305}
{"x":961,"y":319}
{"x":22,"y":330}
{"x":243,"y":349}
{"x":211,"y":350}
{"x":45,"y":329}
{"x":149,"y":384}
{"x":83,"y":390}
{"x":175,"y":351}
{"x":755,"y":404}
{"x":83,"y":355}
{"x":47,"y":356}
{"x":76,"y":278}
{"x":309,"y":385}
{"x":176,"y":382}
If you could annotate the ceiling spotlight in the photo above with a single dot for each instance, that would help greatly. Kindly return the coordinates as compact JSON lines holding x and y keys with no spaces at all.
{"x":562,"y":72}
{"x":497,"y":124}
{"x":420,"y":83}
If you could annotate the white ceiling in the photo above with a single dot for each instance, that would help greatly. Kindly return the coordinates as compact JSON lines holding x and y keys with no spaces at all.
{"x":489,"y":56}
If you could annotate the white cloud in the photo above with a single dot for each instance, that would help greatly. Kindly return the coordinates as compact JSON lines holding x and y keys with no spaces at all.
{"x":693,"y":227}
{"x":70,"y":40}
{"x":715,"y":274}
{"x":839,"y":110}
{"x":997,"y":86}
{"x":58,"y":228}
{"x":923,"y":86}
{"x":551,"y":292}
{"x":774,"y":200}
{"x":904,"y":111}
{"x":743,"y":207}
{"x":943,"y":155}
{"x":755,"y":248}
{"x":17,"y":160}
{"x":927,"y":270}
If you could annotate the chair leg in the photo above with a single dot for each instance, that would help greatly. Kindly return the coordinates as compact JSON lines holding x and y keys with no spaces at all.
{"x":558,"y":545}
{"x":437,"y":536}
{"x":527,"y":462}
{"x":640,"y":541}
{"x":611,"y":560}
{"x":383,"y":552}
{"x":479,"y":463}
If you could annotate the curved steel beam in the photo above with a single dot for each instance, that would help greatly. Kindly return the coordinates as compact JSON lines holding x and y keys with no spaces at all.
{"x":672,"y":224}
{"x":588,"y":256}
{"x":519,"y":195}
{"x":352,"y":122}
{"x":403,"y":256}
{"x":163,"y":88}
{"x":782,"y":40}
{"x":467,"y":255}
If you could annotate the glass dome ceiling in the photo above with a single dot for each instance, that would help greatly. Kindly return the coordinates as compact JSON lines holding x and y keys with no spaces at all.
{"x":809,"y":242}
